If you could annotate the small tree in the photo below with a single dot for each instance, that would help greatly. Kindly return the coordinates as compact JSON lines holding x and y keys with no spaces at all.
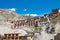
{"x":36,"y":26}
{"x":40,"y":29}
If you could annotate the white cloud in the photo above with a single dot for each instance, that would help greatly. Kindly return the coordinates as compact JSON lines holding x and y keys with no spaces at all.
{"x":59,"y":10}
{"x":24,"y":9}
{"x":31,"y":14}
{"x":27,"y":14}
{"x":13,"y":9}
{"x":42,"y":14}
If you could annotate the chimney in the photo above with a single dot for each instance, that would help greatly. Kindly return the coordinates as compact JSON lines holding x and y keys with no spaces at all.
{"x":55,"y":11}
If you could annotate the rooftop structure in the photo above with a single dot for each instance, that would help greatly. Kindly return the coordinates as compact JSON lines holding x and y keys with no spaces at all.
{"x":15,"y":36}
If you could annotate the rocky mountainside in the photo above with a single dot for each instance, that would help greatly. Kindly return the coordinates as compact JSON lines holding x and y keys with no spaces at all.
{"x":6,"y":14}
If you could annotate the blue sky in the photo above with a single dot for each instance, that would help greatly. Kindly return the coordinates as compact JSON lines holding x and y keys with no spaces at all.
{"x":39,"y":7}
